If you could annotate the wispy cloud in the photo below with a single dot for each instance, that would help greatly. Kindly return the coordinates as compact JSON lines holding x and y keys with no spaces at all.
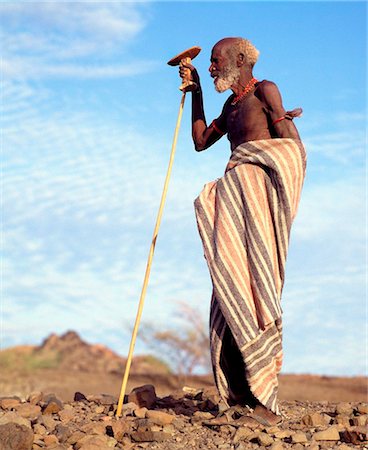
{"x":62,"y":39}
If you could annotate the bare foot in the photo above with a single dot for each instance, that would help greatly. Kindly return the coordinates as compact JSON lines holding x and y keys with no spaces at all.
{"x":265,"y":416}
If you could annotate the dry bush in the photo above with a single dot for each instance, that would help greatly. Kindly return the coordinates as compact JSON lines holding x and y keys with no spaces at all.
{"x":185,"y":348}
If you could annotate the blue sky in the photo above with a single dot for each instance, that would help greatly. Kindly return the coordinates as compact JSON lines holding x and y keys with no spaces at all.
{"x":89,"y":107}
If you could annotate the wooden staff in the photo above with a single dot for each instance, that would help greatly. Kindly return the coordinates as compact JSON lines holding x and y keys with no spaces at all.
{"x":186,"y":86}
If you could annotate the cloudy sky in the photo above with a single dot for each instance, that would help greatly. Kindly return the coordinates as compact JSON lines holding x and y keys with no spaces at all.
{"x":89,"y":108}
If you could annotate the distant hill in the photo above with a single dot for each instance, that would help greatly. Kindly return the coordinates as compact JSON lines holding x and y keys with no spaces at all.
{"x":70,"y":352}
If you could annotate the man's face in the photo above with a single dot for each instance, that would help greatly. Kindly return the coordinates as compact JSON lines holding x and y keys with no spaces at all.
{"x":225,"y":73}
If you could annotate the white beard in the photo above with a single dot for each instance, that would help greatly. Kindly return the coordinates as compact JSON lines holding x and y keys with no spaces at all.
{"x":228,"y":77}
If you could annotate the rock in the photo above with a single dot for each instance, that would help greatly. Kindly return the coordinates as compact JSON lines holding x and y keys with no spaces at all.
{"x":299,"y":438}
{"x":143,"y":396}
{"x":35,"y":397}
{"x":93,"y":427}
{"x":316,"y":420}
{"x":298,"y":447}
{"x":62,"y":432}
{"x":103,"y":399}
{"x":342,"y":420}
{"x":277,"y":446}
{"x":313,"y":446}
{"x":330,"y":434}
{"x":52,"y":404}
{"x":13,"y":417}
{"x":283,"y":434}
{"x":149,"y":436}
{"x":75,"y":437}
{"x":15,"y":437}
{"x":351,"y":437}
{"x":159,"y":417}
{"x":9,"y":402}
{"x":241,"y":434}
{"x":39,"y":429}
{"x":79,"y":397}
{"x":29,"y":411}
{"x":50,"y":440}
{"x":120,"y":428}
{"x":140,"y":412}
{"x":66,"y":415}
{"x":264,"y":439}
{"x":98,"y":441}
{"x":344,"y":447}
{"x":360,"y":421}
{"x":48,"y":421}
{"x":344,"y":408}
{"x":202,"y":415}
{"x":362,"y":408}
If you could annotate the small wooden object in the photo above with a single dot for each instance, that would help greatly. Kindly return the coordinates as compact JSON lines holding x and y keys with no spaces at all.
{"x":186,"y":57}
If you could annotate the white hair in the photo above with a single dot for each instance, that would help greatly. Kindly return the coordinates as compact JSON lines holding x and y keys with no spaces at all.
{"x":239,"y":45}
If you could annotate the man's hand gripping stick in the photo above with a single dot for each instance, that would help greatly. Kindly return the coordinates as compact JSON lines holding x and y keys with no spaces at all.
{"x":185,"y":58}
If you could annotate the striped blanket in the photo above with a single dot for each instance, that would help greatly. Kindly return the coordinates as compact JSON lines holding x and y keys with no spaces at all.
{"x":244,"y":220}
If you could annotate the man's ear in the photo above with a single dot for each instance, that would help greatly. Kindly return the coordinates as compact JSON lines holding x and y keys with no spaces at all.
{"x":240,"y":60}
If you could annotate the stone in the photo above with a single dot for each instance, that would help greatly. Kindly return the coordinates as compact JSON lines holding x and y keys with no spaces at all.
{"x":344,"y":447}
{"x":342,"y":420}
{"x":48,"y":421}
{"x":143,"y":396}
{"x":298,"y":447}
{"x":202,"y":415}
{"x":241,"y":434}
{"x":96,"y":440}
{"x":79,"y":397}
{"x":344,"y":408}
{"x":9,"y":402}
{"x":66,"y":415}
{"x":35,"y":397}
{"x":360,"y":421}
{"x":316,"y":420}
{"x":103,"y":399}
{"x":62,"y":432}
{"x":15,"y":437}
{"x":39,"y":429}
{"x":351,"y":437}
{"x":330,"y":434}
{"x":299,"y":438}
{"x":282,"y":434}
{"x":159,"y":417}
{"x":94,"y":428}
{"x":362,"y":408}
{"x":75,"y":437}
{"x":149,"y":436}
{"x":29,"y":411}
{"x":313,"y":446}
{"x":50,"y":440}
{"x":277,"y":446}
{"x":140,"y":412}
{"x":120,"y":429}
{"x":52,"y":406}
{"x":13,"y":417}
{"x":99,"y":409}
{"x":264,"y":439}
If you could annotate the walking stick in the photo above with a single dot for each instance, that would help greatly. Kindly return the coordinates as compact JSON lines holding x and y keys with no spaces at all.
{"x":187,"y":85}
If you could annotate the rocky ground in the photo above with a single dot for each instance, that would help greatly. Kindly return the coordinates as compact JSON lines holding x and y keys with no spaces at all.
{"x":191,"y":418}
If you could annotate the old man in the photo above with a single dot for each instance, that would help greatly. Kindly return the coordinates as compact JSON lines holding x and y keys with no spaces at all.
{"x":244,"y":220}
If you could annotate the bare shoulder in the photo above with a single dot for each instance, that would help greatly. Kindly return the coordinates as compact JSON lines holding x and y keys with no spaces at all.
{"x":268,"y":92}
{"x":267,"y":88}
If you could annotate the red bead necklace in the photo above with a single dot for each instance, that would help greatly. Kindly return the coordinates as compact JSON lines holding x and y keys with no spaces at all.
{"x":246,"y":91}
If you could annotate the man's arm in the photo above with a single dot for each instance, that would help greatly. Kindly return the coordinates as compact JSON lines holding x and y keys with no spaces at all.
{"x":203,"y":136}
{"x":280,"y":118}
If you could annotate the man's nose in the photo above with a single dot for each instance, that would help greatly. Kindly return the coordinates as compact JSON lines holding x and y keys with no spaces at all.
{"x":210,"y":68}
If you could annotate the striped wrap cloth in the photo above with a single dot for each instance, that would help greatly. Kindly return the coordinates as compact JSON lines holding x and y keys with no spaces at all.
{"x":244,"y":220}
